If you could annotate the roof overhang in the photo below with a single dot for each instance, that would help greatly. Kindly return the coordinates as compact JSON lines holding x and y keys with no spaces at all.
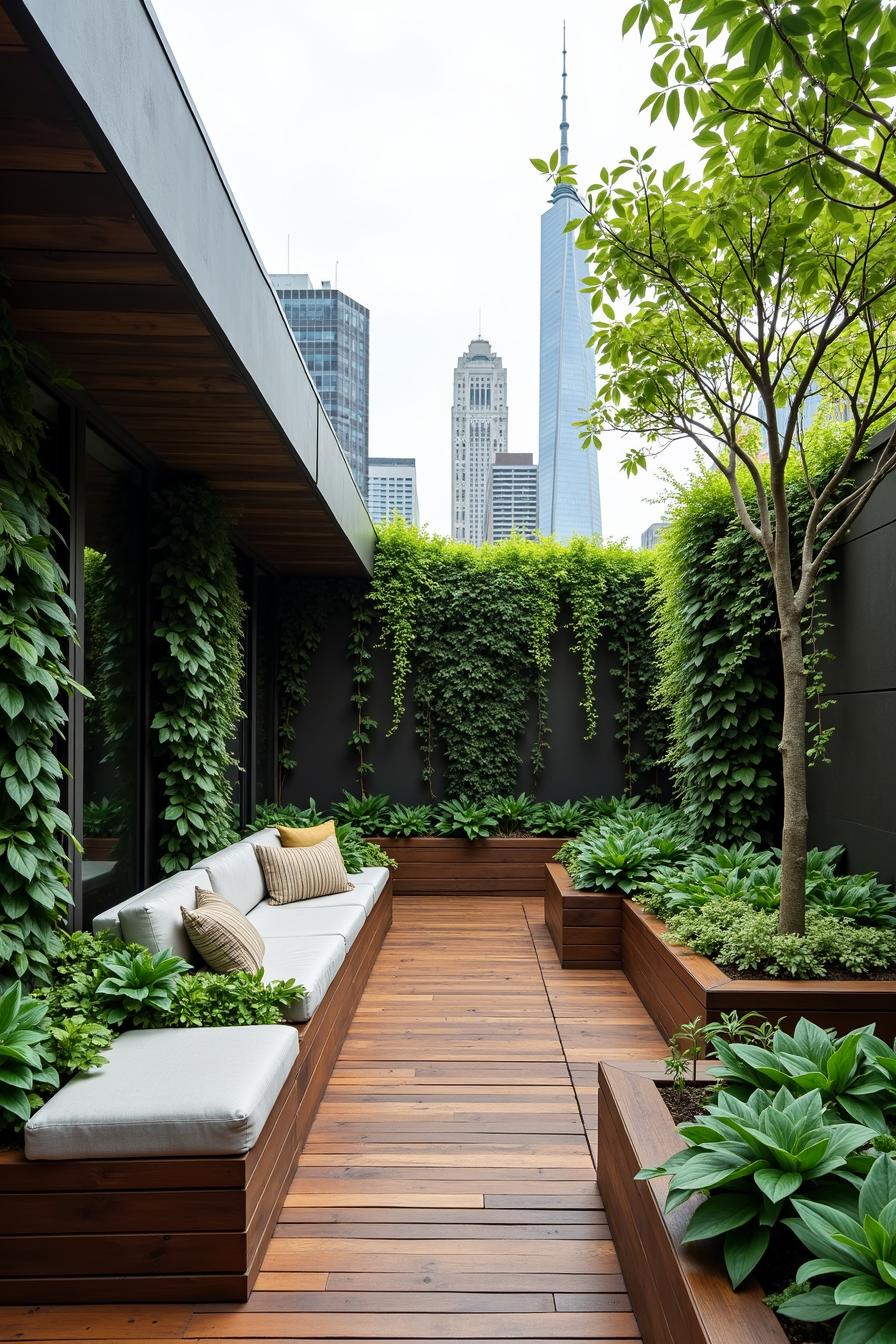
{"x":133,"y":267}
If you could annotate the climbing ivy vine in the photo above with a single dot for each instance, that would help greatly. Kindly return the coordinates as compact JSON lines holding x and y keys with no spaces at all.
{"x":198,"y":612}
{"x":36,"y":627}
{"x":302,"y":611}
{"x":471,"y":630}
{"x":362,"y":675}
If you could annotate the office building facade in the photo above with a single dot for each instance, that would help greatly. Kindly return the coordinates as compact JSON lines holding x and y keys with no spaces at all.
{"x":650,"y":537}
{"x":568,"y":485}
{"x":512,"y":497}
{"x":392,"y":489}
{"x":332,"y":331}
{"x":478,"y":435}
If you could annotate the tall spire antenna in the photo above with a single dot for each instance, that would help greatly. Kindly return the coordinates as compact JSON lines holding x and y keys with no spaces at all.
{"x":564,"y":124}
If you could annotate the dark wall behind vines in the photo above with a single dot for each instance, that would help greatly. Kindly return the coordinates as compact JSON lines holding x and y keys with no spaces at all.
{"x":325,"y":765}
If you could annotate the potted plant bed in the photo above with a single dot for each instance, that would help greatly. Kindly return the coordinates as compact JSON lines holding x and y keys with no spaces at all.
{"x":679,"y":1293}
{"x":502,"y":865}
{"x":585,"y":926}
{"x":676,"y":985}
{"x":100,"y":848}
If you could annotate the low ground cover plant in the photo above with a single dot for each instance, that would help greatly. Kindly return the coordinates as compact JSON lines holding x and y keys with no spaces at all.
{"x":622,"y":849}
{"x":793,"y":1153}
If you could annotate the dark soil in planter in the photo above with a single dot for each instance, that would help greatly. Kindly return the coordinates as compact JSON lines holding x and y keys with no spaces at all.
{"x":833,"y":973}
{"x":686,"y":1105}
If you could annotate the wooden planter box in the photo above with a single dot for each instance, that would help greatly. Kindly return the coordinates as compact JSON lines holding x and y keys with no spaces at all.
{"x":679,"y":1294}
{"x":500,"y":866}
{"x":586,"y":926}
{"x":676,"y":985}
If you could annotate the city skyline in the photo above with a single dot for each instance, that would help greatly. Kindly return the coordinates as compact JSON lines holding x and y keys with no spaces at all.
{"x":304,"y":165}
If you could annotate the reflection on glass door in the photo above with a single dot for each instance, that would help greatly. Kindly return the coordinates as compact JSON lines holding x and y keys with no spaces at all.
{"x":114,"y":557}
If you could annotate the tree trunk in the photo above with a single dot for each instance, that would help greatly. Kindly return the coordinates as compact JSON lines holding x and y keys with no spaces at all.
{"x":792,"y":746}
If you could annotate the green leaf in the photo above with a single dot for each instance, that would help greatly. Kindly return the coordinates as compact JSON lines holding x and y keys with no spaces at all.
{"x":743,"y":1250}
{"x":720,"y":1213}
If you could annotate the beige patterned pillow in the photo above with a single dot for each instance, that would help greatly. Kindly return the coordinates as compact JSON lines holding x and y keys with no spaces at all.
{"x":222,"y":935}
{"x":302,"y":873}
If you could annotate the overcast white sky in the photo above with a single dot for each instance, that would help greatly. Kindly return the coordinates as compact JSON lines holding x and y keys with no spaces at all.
{"x":395,"y":137}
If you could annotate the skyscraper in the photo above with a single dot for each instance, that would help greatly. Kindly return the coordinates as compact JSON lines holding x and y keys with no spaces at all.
{"x":568,"y":487}
{"x":478,"y":433}
{"x":333,"y":333}
{"x":392,"y":489}
{"x":511,"y":505}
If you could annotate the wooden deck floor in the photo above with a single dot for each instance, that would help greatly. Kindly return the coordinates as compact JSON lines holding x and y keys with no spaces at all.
{"x":447,"y":1188}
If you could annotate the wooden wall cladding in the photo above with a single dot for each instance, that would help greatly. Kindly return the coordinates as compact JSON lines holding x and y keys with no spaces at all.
{"x":586,"y":926}
{"x":678,"y":1293}
{"x":500,"y":866}
{"x":676,"y":985}
{"x":174,"y":1229}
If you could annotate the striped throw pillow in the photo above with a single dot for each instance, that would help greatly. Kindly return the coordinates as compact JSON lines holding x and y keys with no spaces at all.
{"x":305,"y":872}
{"x":222,"y":935}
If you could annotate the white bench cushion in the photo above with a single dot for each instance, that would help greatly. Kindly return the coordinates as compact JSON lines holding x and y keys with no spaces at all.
{"x":235,"y":874}
{"x":307,"y":918}
{"x":312,"y":961}
{"x":375,"y":877}
{"x":153,"y":917}
{"x":179,"y":1092}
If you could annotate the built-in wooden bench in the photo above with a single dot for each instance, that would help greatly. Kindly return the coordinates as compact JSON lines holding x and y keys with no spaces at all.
{"x":585,"y":926}
{"x":174,"y":1229}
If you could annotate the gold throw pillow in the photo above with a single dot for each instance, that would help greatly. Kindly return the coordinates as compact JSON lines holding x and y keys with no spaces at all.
{"x":302,"y":873}
{"x":292,"y":837}
{"x":222,"y":935}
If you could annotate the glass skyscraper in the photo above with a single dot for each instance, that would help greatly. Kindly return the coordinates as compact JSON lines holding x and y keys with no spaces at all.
{"x":333,"y":333}
{"x":568,"y":486}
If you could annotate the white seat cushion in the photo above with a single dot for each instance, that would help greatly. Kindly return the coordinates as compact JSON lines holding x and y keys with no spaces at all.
{"x":235,"y":874}
{"x":153,"y":917}
{"x":376,"y":877}
{"x":279,"y":921}
{"x":178,"y":1092}
{"x":312,"y":961}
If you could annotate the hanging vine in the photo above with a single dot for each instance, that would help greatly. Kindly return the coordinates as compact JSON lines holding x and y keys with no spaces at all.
{"x":198,"y":625}
{"x":302,"y":609}
{"x":36,"y":627}
{"x":362,"y":675}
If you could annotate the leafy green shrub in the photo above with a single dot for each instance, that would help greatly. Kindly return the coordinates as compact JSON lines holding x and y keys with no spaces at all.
{"x":25,"y":1055}
{"x":376,"y":857}
{"x":753,"y":876}
{"x":459,"y":816}
{"x":843,"y":1071}
{"x":750,"y":1158}
{"x":365,"y":814}
{"x":858,"y":1252}
{"x":77,"y":1044}
{"x":558,"y":819}
{"x":239,"y":998}
{"x":137,"y":986}
{"x":198,"y":621}
{"x":515,"y":814}
{"x":285,"y":814}
{"x":623,"y":854}
{"x":733,"y":934}
{"x":694,"y":1039}
{"x":408,"y":821}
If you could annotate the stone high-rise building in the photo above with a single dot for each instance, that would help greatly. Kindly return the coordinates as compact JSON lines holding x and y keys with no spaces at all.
{"x":478,"y":435}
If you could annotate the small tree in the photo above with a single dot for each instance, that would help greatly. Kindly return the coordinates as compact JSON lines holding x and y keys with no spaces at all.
{"x":740,"y":302}
{"x":804,"y":87}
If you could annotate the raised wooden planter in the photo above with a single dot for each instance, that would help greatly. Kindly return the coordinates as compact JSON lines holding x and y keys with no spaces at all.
{"x":679,"y":1294}
{"x":676,"y":985}
{"x":500,"y":866}
{"x":586,"y":926}
{"x":182,"y":1229}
